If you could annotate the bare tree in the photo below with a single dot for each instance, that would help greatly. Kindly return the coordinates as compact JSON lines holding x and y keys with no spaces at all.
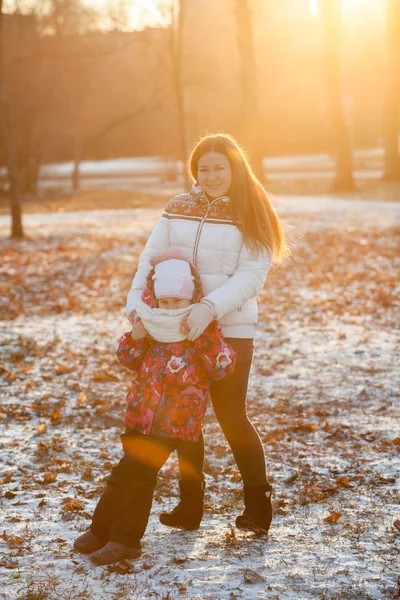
{"x":170,"y":57}
{"x":176,"y":46}
{"x":343,"y":152}
{"x":391,"y":116}
{"x":249,"y":112}
{"x":16,"y":218}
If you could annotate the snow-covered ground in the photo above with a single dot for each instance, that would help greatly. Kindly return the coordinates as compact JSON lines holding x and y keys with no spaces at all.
{"x":324,"y":395}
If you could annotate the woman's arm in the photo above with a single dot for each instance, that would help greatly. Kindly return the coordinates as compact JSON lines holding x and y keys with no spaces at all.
{"x":157,"y":242}
{"x":247,"y":281}
{"x":217,"y":356}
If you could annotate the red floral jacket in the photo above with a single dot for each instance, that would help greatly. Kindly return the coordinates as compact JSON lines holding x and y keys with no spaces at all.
{"x":169,"y":394}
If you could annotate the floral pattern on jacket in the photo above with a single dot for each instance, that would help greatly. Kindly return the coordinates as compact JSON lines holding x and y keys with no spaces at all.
{"x":169,"y":394}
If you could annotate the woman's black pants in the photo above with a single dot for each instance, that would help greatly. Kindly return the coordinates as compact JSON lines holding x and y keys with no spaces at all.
{"x":228,"y":397}
{"x":123,"y":510}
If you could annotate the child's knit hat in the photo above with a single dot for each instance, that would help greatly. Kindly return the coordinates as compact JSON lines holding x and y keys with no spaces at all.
{"x":173,"y":279}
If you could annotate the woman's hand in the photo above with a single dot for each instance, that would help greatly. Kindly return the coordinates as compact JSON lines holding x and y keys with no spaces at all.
{"x":198,"y":320}
{"x":138,"y":331}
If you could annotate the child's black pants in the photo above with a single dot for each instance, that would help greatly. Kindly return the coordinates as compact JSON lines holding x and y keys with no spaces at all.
{"x":123,"y":510}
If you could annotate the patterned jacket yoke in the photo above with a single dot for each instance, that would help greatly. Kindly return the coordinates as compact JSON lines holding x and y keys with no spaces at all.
{"x":231,"y":274}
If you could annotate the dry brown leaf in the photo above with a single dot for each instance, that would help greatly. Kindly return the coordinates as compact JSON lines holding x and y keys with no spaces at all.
{"x":62,"y":369}
{"x":56,"y":416}
{"x":304,"y":427}
{"x":343,"y":481}
{"x":49,"y":478}
{"x":42,"y":448}
{"x":73,"y":505}
{"x":87,"y":475}
{"x":7,"y":478}
{"x":333,"y":517}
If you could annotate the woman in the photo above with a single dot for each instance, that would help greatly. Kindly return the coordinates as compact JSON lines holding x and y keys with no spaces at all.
{"x":229,"y":230}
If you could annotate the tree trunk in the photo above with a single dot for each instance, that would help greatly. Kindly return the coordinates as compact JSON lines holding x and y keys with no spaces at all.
{"x":76,"y":175}
{"x":15,"y":206}
{"x":249,"y":113}
{"x":177,"y":56}
{"x":391,"y":114}
{"x":343,"y":152}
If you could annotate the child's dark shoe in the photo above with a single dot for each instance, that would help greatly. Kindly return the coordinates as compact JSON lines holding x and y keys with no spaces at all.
{"x":88,"y":543}
{"x":113,"y":552}
{"x":189,"y":512}
{"x":257,"y":514}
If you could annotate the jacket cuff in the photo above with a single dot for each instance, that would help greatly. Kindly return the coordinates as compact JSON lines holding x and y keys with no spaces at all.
{"x":210,"y":305}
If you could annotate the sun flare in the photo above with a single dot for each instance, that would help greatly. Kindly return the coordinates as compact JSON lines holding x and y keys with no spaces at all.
{"x":349,"y":6}
{"x":131,"y":14}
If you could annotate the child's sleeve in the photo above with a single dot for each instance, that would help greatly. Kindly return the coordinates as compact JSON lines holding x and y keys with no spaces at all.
{"x":131,"y":352}
{"x":217,"y":356}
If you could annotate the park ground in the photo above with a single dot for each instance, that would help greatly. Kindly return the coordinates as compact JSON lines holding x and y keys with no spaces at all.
{"x":324,"y":395}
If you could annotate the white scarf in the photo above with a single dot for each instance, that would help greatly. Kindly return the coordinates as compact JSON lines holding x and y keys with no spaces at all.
{"x":163,"y":324}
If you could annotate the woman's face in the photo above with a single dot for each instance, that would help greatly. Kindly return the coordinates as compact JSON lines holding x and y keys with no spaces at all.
{"x":214,"y":174}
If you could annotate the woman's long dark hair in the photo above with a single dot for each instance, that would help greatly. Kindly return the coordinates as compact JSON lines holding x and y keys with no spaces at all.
{"x":251,"y":207}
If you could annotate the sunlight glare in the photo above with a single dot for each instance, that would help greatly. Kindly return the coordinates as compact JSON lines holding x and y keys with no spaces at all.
{"x":355,"y":6}
{"x":133,"y":14}
{"x":313,"y":7}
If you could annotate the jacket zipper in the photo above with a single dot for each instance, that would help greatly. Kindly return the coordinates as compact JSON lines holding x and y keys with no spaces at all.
{"x":198,"y":234}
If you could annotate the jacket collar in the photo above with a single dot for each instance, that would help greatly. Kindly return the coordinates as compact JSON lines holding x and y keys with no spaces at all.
{"x":202,"y":198}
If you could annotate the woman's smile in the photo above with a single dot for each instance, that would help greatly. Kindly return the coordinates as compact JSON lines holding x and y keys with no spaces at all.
{"x":214,"y":174}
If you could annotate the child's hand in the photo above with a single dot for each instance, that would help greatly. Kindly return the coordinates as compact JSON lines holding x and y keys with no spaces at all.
{"x":138,"y":331}
{"x":185,"y":326}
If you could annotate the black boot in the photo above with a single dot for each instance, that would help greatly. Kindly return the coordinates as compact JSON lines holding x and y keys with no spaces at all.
{"x":257,"y":514}
{"x":114,"y":552}
{"x":88,"y":543}
{"x":189,"y":512}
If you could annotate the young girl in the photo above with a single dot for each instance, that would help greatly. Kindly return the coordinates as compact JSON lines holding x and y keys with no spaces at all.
{"x":166,"y":405}
{"x":229,"y":230}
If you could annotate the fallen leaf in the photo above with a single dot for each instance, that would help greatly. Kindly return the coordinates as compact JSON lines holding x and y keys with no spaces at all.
{"x":252,"y":577}
{"x":7,"y":478}
{"x":49,"y":478}
{"x":333,"y":517}
{"x":42,"y":448}
{"x":122,"y":568}
{"x":179,"y":560}
{"x":63,"y":369}
{"x":9,"y":495}
{"x":73,"y":505}
{"x":343,"y":481}
{"x":291,"y":479}
{"x":87,"y":475}
{"x":304,"y":427}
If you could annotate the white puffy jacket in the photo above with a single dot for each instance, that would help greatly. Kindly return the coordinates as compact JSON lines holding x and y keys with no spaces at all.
{"x":231,"y":275}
